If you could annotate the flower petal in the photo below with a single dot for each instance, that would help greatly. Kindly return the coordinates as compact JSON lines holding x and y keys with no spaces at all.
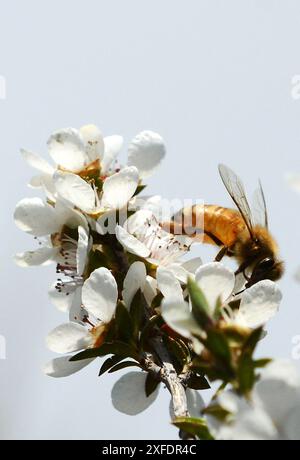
{"x":192,"y":265}
{"x":150,"y":289}
{"x":259,"y":304}
{"x":120,"y":187}
{"x":135,"y":279}
{"x":82,"y":249}
{"x":75,"y":190}
{"x":100,"y":294}
{"x":62,"y":301}
{"x":68,"y":337}
{"x":34,"y":216}
{"x":130,"y":243}
{"x":146,"y":152}
{"x":178,"y":316}
{"x":168,"y":284}
{"x":63,"y":367}
{"x":67,"y":148}
{"x":93,"y":140}
{"x":37,"y":162}
{"x":216,"y":282}
{"x":128,"y":394}
{"x":41,"y":256}
{"x":112,"y":147}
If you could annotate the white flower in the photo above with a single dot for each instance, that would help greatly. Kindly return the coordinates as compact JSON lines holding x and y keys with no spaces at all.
{"x":142,"y":236}
{"x":99,"y":298}
{"x":273,"y":412}
{"x":146,"y":151}
{"x":129,"y":397}
{"x":137,"y":279}
{"x":258,"y":304}
{"x":71,"y":150}
{"x":82,"y":150}
{"x":40,"y":219}
{"x":117,"y":190}
{"x":65,"y":294}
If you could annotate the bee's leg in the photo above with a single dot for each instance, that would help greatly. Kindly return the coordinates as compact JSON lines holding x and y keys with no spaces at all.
{"x":242,"y":269}
{"x":222,"y":253}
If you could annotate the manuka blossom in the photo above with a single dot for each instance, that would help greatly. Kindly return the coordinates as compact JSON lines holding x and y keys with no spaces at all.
{"x":49,"y":224}
{"x":143,"y":236}
{"x":258,"y":304}
{"x":86,"y":151}
{"x":99,"y":298}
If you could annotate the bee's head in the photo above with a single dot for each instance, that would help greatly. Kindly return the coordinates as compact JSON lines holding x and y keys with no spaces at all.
{"x":268,"y":268}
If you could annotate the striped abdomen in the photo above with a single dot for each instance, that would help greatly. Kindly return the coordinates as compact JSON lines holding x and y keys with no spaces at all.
{"x":210,"y":224}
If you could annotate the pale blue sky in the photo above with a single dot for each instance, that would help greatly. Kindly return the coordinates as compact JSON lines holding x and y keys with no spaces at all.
{"x":214,"y":79}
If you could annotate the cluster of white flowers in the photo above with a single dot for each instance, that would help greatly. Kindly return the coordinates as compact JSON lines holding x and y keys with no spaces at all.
{"x":78,"y":222}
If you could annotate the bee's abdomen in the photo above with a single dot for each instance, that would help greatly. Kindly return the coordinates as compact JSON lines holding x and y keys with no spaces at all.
{"x":210,"y":224}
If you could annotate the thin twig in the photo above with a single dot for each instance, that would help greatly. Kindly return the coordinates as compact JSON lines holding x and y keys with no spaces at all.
{"x":167,"y":374}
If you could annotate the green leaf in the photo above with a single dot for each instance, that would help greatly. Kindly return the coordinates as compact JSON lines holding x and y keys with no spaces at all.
{"x":114,"y":348}
{"x":251,"y":342}
{"x":151,"y":384}
{"x":217,"y":343}
{"x":153,"y":322}
{"x":110,"y":362}
{"x":123,"y":365}
{"x":139,"y":189}
{"x":217,"y":411}
{"x":200,"y":307}
{"x":260,"y":363}
{"x":123,"y":323}
{"x":198,"y":382}
{"x":156,"y":302}
{"x":88,"y":354}
{"x":194,"y":426}
{"x":137,"y":313}
{"x":246,"y":374}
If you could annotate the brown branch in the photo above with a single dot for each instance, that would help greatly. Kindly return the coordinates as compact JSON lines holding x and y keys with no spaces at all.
{"x":167,"y":374}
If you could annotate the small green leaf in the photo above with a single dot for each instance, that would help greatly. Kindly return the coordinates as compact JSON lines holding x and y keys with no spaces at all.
{"x":217,"y":343}
{"x":156,"y":302}
{"x":246,"y":374}
{"x":151,"y":384}
{"x":114,"y":348}
{"x":200,"y":306}
{"x":198,"y":382}
{"x":139,"y":189}
{"x":137,"y":313}
{"x":260,"y":363}
{"x":217,"y":411}
{"x":123,"y":323}
{"x":110,"y":362}
{"x":123,"y":365}
{"x":252,"y":341}
{"x":194,"y":426}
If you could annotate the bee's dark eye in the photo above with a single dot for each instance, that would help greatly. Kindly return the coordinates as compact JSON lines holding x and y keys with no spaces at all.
{"x":266,"y":263}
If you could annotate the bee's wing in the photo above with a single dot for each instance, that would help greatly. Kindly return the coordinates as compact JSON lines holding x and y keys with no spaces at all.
{"x":237,"y":192}
{"x":260,"y":207}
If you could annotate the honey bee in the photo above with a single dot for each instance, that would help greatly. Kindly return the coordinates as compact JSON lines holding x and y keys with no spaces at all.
{"x":236,"y":232}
